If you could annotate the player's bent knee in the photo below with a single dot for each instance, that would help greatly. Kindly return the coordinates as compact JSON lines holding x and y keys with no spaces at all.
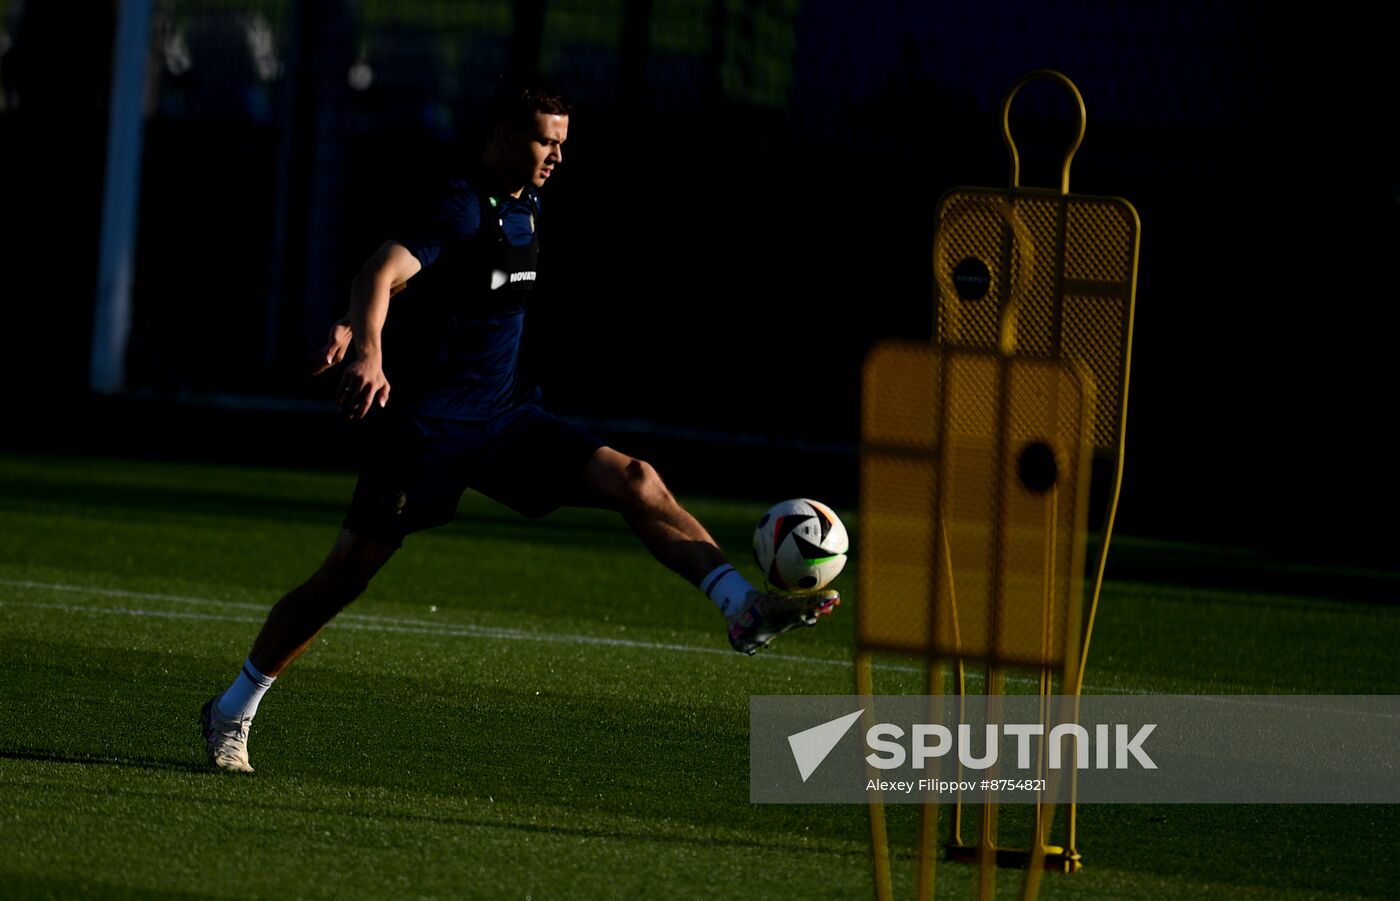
{"x":619,"y":482}
{"x":639,"y":473}
{"x":644,"y":485}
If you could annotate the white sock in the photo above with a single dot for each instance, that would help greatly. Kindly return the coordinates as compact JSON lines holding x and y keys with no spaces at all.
{"x":241,"y":699}
{"x":727,"y":589}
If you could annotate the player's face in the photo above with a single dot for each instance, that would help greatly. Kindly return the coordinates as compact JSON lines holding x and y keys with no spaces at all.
{"x":534,"y":152}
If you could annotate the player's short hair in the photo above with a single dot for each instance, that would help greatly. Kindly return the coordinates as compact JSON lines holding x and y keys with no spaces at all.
{"x":517,"y":100}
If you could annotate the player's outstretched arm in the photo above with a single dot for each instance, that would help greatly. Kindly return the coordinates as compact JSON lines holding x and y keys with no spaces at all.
{"x":364,"y":385}
{"x":329,"y":355}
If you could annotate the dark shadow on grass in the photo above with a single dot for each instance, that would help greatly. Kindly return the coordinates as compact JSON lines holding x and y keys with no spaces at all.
{"x":138,"y":503}
{"x":244,"y":804}
{"x":132,"y":501}
{"x":144,"y":763}
{"x":25,"y":885}
{"x":1207,"y":566}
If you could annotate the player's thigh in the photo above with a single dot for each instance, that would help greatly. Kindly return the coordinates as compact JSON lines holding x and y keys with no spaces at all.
{"x":411,"y":478}
{"x":536,"y":463}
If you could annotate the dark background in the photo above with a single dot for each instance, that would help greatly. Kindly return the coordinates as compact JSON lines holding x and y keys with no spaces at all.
{"x":745,"y":208}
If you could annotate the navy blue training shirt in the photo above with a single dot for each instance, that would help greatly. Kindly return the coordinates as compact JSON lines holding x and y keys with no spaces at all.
{"x":452,"y":337}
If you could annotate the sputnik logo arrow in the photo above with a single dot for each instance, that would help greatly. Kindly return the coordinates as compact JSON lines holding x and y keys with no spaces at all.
{"x":811,"y":746}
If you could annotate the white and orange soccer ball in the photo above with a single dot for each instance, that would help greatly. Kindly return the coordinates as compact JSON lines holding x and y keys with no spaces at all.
{"x":800,"y":545}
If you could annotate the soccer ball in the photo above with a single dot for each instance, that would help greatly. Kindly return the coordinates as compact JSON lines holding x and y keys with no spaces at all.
{"x":800,"y":545}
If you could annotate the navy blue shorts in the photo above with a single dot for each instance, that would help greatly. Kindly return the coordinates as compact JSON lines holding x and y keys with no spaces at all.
{"x":414,"y":471}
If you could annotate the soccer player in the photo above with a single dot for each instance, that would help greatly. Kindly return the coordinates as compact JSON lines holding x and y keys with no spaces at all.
{"x":457,"y":419}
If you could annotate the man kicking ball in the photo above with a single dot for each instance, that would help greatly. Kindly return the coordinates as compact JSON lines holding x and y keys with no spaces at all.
{"x":458,"y":419}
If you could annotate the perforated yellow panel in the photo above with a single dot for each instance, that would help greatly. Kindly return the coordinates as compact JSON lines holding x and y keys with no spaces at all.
{"x":1044,"y":472}
{"x":898,"y":483}
{"x":1070,"y":264}
{"x":976,"y":452}
{"x":972,"y":466}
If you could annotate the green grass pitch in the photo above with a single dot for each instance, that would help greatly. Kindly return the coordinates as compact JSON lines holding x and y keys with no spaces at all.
{"x":533,"y":710}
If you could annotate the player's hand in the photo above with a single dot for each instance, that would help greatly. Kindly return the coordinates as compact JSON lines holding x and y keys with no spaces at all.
{"x":337,"y":342}
{"x":362,"y":388}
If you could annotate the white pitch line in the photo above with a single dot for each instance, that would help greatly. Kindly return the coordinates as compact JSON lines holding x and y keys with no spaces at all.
{"x":418,"y":627}
{"x":375,"y":623}
{"x":127,"y":611}
{"x":437,"y":630}
{"x":206,"y":602}
{"x":139,"y":595}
